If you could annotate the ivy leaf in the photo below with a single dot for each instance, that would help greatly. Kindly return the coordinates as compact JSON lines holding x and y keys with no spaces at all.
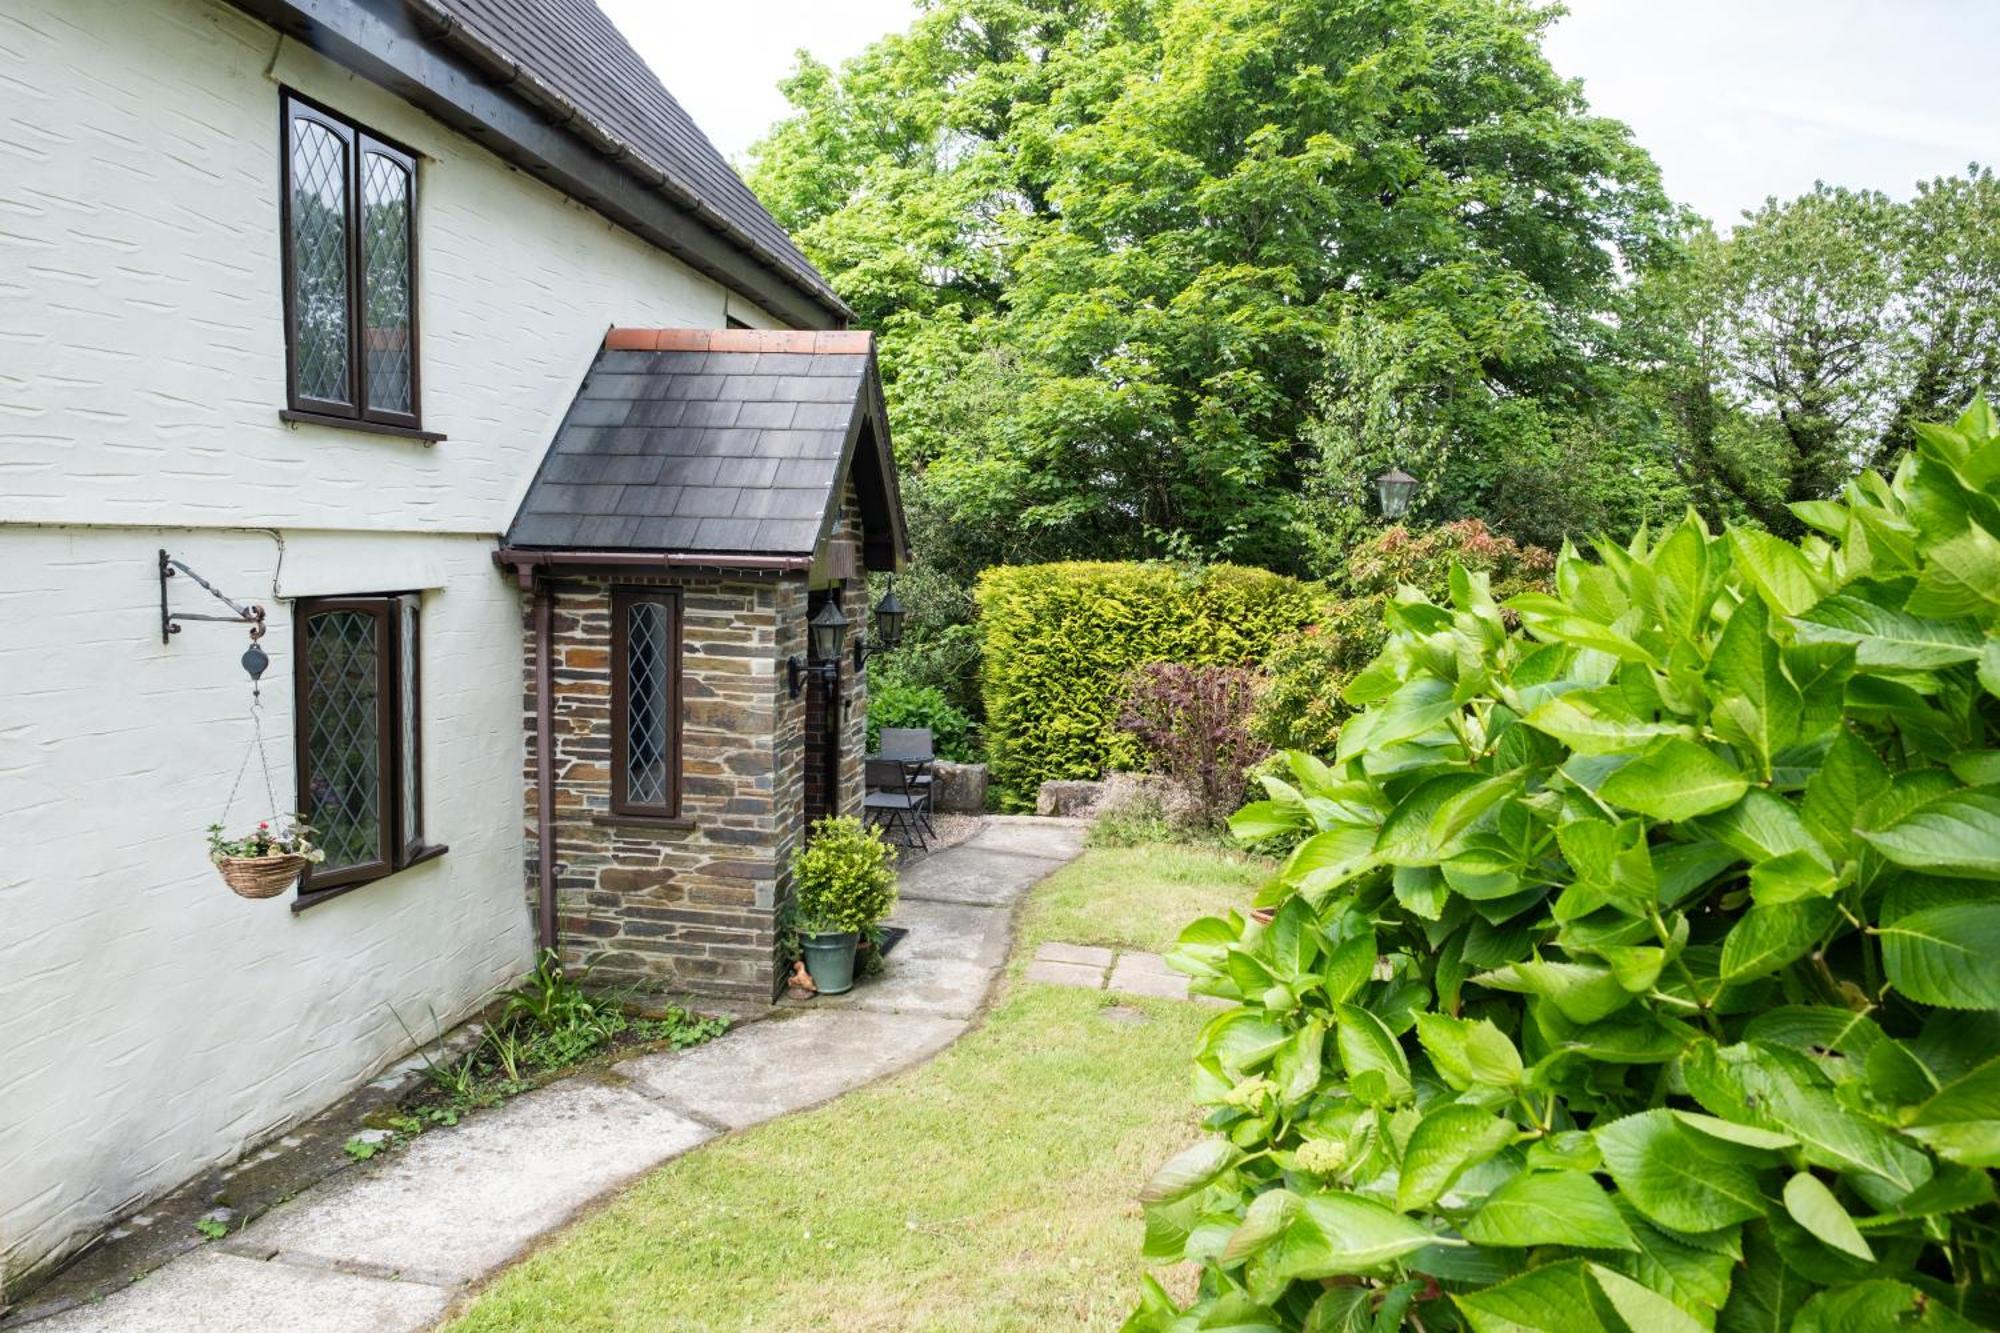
{"x":1671,"y":1178}
{"x":1959,"y":832}
{"x":1675,"y":780}
{"x":1549,"y":1208}
{"x":1449,"y":1140}
{"x":1812,"y":1205}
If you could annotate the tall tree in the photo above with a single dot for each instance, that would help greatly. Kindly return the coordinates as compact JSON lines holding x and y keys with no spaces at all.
{"x":1110,"y":243}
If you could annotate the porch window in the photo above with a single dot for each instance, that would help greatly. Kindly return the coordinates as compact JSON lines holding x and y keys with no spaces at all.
{"x":359,"y":737}
{"x":350,"y":270}
{"x":646,"y":702}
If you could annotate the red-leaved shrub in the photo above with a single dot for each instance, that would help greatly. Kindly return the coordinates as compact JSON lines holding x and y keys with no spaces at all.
{"x":1193,"y":722}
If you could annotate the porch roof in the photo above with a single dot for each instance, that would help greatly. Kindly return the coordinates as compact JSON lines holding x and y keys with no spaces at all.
{"x":718,"y":442}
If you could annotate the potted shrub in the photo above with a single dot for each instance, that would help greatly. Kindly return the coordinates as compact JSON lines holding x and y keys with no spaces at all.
{"x":843,"y":882}
{"x":267,"y":860}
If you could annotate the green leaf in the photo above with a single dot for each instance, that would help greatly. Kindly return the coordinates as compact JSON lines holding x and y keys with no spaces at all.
{"x":1642,"y":1307}
{"x":1813,"y":1207}
{"x":1408,"y":836}
{"x":1582,"y":994}
{"x":1962,"y":1121}
{"x":1287,"y":1236}
{"x":1328,"y":859}
{"x":1791,"y":878}
{"x":1947,"y":956}
{"x":1961,"y":577}
{"x":1959,"y":832}
{"x":1549,"y":1208}
{"x":1747,"y":1136}
{"x":1675,"y":780}
{"x":1580,"y":723}
{"x":1766,"y":938}
{"x":1266,"y":819}
{"x":1450,"y":1139}
{"x":1780,"y":573}
{"x":1367,"y":1045}
{"x":1189,"y":1170}
{"x":1666,"y":1173}
{"x":1766,"y":1294}
{"x":1869,"y":1307}
{"x":1757,"y":709}
{"x":1468,"y":1052}
{"x":1554,"y":1298}
{"x":1889,"y":639}
{"x":1694,"y":1272}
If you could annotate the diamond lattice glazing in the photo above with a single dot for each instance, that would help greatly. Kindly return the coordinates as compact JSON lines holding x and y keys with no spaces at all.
{"x":385,"y":250}
{"x":319,"y":259}
{"x":343,"y":737}
{"x":646,"y":702}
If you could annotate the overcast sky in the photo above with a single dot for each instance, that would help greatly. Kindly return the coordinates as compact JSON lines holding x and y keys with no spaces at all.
{"x":1736,"y":99}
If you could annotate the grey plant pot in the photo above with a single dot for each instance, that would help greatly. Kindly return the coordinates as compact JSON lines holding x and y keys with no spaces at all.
{"x":830,"y":960}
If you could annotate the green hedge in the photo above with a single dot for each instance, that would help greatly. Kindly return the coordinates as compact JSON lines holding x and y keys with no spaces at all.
{"x":1059,"y":640}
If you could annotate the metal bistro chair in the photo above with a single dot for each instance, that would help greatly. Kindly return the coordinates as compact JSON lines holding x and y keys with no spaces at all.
{"x":893,"y":802}
{"x":916,"y":749}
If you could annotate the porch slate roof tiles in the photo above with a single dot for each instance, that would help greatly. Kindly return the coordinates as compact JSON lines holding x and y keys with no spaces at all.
{"x":694,"y":440}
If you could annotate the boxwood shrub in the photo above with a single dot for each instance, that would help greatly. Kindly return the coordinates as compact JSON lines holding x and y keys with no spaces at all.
{"x":1640,"y":971}
{"x":1060,"y":640}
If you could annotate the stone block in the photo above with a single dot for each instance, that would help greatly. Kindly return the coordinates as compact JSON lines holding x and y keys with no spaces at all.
{"x":1066,"y":797}
{"x":1066,"y":974}
{"x":959,"y":789}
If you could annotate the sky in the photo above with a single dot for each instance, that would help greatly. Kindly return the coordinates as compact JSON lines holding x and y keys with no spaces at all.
{"x":1736,"y":99}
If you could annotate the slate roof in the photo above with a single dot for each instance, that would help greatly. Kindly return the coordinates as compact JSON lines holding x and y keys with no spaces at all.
{"x":570,"y":46}
{"x":730,"y":442}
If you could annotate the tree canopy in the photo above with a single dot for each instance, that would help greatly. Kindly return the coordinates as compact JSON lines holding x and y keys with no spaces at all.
{"x":1112,"y":245}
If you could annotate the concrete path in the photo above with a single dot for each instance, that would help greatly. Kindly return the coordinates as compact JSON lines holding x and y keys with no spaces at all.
{"x":387,"y":1246}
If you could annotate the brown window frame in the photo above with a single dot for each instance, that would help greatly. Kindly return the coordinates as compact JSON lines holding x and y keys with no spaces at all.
{"x":622,"y":601}
{"x":395,"y":851}
{"x":358,"y":141}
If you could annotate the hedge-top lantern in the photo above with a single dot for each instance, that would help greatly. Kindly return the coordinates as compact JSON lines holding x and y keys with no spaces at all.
{"x":1394,"y":489}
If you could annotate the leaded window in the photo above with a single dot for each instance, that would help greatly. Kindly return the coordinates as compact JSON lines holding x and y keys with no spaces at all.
{"x":350,"y":269}
{"x":645,"y":701}
{"x":359,"y":736}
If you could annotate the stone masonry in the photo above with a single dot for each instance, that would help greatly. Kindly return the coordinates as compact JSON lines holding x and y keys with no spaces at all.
{"x":688,"y":905}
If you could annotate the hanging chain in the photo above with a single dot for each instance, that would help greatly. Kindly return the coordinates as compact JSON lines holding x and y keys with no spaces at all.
{"x":263,"y":760}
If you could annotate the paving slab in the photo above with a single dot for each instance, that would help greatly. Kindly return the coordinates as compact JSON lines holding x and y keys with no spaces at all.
{"x":220,"y":1293}
{"x":1066,"y":974}
{"x":1049,"y":839}
{"x":764,"y":1070}
{"x":453,"y":1205}
{"x":945,"y":987}
{"x":1133,"y":975}
{"x":1147,"y":962}
{"x":981,"y":878}
{"x":1086,"y":954}
{"x":958,"y":931}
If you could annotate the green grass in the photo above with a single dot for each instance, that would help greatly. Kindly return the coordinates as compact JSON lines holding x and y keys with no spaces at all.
{"x":992,"y":1188}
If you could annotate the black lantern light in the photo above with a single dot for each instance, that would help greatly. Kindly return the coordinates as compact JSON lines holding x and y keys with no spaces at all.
{"x":888,"y":628}
{"x":1394,"y":489}
{"x":825,"y":633}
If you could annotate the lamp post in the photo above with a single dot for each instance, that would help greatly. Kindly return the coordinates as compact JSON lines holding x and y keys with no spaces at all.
{"x":1394,"y":489}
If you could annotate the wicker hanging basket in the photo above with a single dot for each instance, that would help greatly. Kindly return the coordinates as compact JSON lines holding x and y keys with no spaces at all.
{"x":261,"y":876}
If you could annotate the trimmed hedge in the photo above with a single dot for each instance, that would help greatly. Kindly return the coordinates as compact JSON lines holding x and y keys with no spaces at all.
{"x":1061,"y":638}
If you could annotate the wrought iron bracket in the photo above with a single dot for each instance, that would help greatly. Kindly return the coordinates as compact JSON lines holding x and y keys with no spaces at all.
{"x":170,"y":620}
{"x":797,"y":669}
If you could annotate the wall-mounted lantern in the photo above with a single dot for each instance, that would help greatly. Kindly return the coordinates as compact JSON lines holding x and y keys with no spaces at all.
{"x":825,"y":633}
{"x":889,"y":615}
{"x":1394,"y":489}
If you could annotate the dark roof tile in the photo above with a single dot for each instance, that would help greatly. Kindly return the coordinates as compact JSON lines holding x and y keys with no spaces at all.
{"x":708,"y":501}
{"x":657,"y":412}
{"x":774,"y":415}
{"x":733,"y":534}
{"x":650,"y":501}
{"x":746,"y":472}
{"x":598,"y":412}
{"x":604,"y":469}
{"x":616,"y":386}
{"x":689,"y":471}
{"x":823,"y":416}
{"x":710,"y":414}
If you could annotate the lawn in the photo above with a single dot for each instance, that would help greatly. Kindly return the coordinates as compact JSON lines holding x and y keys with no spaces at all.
{"x":991,"y":1188}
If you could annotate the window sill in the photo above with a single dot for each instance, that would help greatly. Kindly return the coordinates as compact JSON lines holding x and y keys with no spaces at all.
{"x":354,"y":423}
{"x":314,"y":897}
{"x":644,"y":821}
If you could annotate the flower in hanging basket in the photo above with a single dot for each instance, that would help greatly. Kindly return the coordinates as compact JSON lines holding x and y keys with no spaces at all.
{"x":265,"y":861}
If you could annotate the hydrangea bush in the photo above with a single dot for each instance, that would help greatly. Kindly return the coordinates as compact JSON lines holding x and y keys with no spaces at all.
{"x":1638,"y":971}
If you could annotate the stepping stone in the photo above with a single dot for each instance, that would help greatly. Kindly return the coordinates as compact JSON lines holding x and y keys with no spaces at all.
{"x":1124,"y":1015}
{"x":452,"y":1205}
{"x":1066,"y":974}
{"x":765,"y":1069}
{"x":1083,"y":954}
{"x":219,"y":1293}
{"x":1144,"y":974}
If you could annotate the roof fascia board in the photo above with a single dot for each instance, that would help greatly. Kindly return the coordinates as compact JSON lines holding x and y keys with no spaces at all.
{"x":453,"y":91}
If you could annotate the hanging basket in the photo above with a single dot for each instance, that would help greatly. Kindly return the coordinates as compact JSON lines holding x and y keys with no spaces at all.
{"x":261,"y":876}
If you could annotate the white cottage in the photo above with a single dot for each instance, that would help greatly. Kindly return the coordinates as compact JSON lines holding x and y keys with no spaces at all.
{"x":296,"y":296}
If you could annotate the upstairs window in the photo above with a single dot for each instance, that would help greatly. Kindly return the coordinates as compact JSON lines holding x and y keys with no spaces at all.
{"x":350,"y":253}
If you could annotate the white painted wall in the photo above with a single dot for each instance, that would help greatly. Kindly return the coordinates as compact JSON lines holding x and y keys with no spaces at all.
{"x":151,"y":1023}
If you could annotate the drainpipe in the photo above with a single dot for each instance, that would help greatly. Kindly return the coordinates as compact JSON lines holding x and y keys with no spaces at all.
{"x":545,"y":792}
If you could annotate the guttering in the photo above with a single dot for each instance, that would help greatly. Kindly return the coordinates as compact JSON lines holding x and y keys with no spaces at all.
{"x":545,"y":768}
{"x":525,"y":562}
